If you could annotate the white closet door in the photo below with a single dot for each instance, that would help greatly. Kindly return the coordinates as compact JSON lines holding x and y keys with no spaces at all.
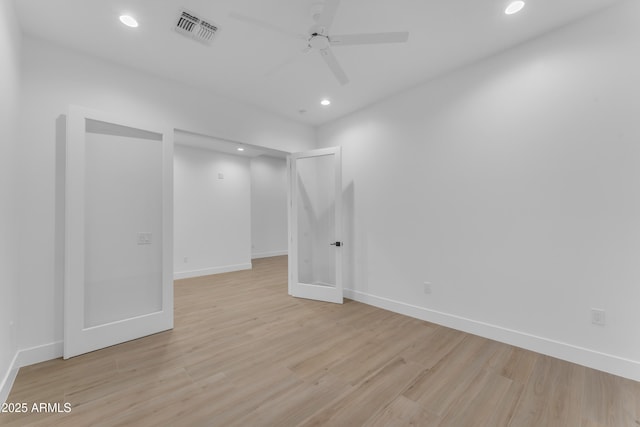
{"x":119,"y":205}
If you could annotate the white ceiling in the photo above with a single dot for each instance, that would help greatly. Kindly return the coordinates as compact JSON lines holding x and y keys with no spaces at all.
{"x":444,"y":34}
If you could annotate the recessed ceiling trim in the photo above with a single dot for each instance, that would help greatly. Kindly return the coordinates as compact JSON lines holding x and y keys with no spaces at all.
{"x":514,"y":7}
{"x":129,"y":21}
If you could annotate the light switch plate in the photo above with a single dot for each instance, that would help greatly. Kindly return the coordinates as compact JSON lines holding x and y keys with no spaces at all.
{"x":597,"y":317}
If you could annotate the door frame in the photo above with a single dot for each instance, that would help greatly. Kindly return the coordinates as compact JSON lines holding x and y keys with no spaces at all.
{"x":293,"y":223}
{"x":79,"y":339}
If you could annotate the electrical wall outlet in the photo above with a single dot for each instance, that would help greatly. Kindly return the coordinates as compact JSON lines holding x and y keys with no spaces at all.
{"x":185,"y":260}
{"x":427,"y":287}
{"x":144,"y":238}
{"x":597,"y":317}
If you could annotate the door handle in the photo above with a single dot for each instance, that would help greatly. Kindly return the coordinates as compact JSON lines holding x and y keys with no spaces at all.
{"x":336,"y":244}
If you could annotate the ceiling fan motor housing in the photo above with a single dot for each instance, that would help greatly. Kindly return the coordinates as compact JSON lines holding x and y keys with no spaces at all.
{"x":318,"y":41}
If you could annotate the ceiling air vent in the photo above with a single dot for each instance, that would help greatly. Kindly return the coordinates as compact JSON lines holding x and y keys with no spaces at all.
{"x":196,"y":28}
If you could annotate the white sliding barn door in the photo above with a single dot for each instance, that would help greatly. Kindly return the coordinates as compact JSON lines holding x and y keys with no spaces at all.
{"x":119,"y":225}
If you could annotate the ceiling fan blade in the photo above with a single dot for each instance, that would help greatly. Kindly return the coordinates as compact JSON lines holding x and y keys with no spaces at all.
{"x":368,"y":38}
{"x":266,"y":25}
{"x":333,"y":64}
{"x":286,"y":62}
{"x":328,"y":13}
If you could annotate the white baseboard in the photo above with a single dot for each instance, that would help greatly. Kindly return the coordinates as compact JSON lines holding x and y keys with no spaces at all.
{"x":269,"y":254}
{"x":9,"y":378}
{"x":26,"y":357}
{"x":593,"y":359}
{"x":41,"y":353}
{"x":208,"y":271}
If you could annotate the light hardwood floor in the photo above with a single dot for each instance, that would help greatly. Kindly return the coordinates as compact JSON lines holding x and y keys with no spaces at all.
{"x":243,"y":353}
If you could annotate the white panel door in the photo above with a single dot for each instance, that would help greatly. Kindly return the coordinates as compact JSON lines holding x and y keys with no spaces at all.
{"x":119,"y":231}
{"x":315,"y":246}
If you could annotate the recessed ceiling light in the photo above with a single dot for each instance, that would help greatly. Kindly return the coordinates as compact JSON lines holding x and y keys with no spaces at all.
{"x":129,"y":21}
{"x":514,"y":7}
{"x":325,"y":102}
{"x":240,"y":149}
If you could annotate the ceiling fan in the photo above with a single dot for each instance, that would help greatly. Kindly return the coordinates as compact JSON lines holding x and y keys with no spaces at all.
{"x":319,"y":39}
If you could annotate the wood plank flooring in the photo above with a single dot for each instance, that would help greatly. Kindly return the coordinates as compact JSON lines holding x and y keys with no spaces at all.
{"x":244,"y":353}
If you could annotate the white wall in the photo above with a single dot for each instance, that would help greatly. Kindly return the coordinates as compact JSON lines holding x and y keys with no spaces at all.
{"x":212,"y":216}
{"x":56,"y":77}
{"x":512,"y":186}
{"x":269,"y":229}
{"x":10,"y":46}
